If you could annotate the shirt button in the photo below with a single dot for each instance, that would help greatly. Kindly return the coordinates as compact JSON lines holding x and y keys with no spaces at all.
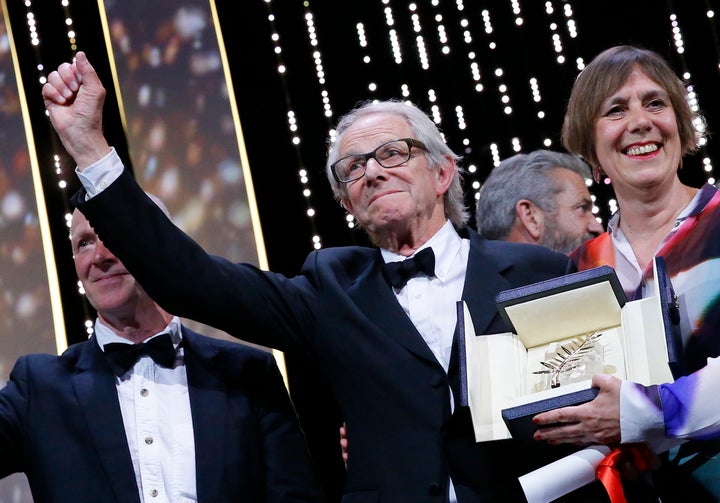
{"x":154,"y":493}
{"x":144,"y":392}
{"x":103,"y":184}
{"x":148,"y":440}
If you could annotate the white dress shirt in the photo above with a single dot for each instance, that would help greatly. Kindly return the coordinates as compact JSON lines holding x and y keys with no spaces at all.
{"x":155,"y":407}
{"x":419,"y":298}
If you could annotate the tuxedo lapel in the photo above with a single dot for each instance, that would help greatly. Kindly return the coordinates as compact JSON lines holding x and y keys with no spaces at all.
{"x":483,"y":281}
{"x":375,"y":297}
{"x":96,"y":392}
{"x":207,"y":393}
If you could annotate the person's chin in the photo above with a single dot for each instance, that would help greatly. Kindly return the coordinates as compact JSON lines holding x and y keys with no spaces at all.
{"x":112,"y":303}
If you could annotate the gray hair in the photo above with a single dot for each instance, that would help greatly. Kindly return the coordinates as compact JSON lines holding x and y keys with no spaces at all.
{"x":522,"y":176}
{"x":424,"y":130}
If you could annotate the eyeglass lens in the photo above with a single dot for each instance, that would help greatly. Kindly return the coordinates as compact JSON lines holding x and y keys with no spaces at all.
{"x":388,"y":155}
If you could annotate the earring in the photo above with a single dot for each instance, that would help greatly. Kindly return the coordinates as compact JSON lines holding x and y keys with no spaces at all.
{"x":597,"y":174}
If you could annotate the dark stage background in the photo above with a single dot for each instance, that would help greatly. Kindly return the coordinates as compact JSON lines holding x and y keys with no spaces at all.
{"x":494,"y":74}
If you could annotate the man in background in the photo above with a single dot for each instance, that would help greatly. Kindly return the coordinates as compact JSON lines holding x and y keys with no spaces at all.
{"x":148,"y":410}
{"x":539,"y":198}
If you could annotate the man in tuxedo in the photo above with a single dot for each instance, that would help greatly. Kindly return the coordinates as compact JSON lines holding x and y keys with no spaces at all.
{"x":539,"y":198}
{"x":383,"y":338}
{"x":148,"y":410}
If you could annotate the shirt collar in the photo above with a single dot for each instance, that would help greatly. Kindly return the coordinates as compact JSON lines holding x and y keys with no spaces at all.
{"x":105,"y":335}
{"x":446,"y":244}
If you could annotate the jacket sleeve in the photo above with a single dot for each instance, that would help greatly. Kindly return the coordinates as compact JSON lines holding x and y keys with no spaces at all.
{"x":14,"y":398}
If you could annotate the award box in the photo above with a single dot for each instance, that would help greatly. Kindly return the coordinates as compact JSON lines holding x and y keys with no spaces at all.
{"x":564,"y":330}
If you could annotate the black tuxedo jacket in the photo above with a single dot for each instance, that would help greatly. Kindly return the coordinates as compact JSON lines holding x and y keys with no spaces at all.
{"x":60,"y":423}
{"x":342,"y":314}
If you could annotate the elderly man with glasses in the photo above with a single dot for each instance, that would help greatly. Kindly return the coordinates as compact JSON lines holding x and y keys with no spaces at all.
{"x":383,"y":337}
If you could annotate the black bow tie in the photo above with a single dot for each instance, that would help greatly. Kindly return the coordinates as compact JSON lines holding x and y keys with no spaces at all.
{"x":398,"y":273}
{"x":123,"y":356}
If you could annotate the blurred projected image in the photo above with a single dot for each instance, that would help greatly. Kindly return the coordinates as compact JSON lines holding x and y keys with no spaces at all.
{"x":182,"y":138}
{"x":25,"y":316}
{"x":181,"y":134}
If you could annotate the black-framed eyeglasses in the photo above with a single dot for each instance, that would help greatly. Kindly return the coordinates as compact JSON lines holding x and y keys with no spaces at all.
{"x":388,"y":155}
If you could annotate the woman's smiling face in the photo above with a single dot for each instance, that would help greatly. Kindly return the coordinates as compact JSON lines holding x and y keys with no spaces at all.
{"x":637,"y":142}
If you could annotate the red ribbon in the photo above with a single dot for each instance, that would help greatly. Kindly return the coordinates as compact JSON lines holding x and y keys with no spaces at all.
{"x":608,"y":472}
